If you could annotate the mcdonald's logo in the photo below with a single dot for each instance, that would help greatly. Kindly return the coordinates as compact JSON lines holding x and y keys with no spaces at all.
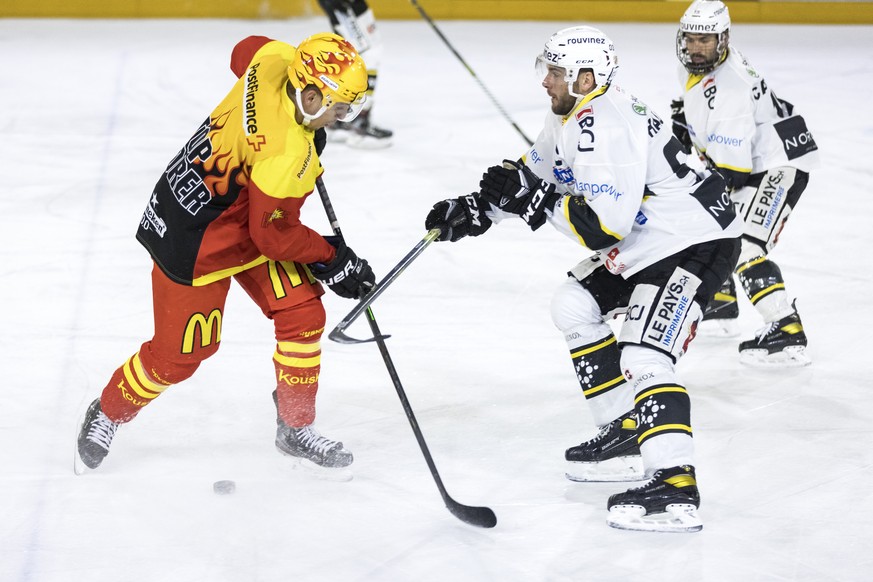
{"x":206,"y":325}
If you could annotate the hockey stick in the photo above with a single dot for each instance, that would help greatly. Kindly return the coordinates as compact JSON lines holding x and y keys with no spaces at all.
{"x":470,"y":70}
{"x":338,"y":334}
{"x":478,"y":516}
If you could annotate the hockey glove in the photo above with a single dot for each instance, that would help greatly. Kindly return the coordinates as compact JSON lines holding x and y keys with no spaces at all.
{"x":458,"y":217}
{"x":680,"y":126}
{"x":320,"y":141}
{"x":347,"y":275}
{"x":514,"y":188}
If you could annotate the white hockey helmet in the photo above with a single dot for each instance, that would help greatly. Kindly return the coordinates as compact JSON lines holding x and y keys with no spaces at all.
{"x":578,"y":48}
{"x":704,"y":17}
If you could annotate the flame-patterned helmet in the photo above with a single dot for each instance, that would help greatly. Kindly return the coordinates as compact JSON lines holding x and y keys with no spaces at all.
{"x":333,"y":65}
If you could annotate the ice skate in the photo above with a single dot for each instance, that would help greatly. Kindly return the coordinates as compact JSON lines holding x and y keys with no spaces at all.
{"x":314,"y":452}
{"x":781,"y":344}
{"x":668,"y":502}
{"x":360,"y":133}
{"x":95,"y":436}
{"x":721,"y":313}
{"x":612,"y":455}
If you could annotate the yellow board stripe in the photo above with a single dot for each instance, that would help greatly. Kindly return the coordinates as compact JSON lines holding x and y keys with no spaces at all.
{"x":659,"y":390}
{"x":293,"y":362}
{"x":603,"y":386}
{"x":663,"y":427}
{"x":594,"y":348}
{"x":754,"y":298}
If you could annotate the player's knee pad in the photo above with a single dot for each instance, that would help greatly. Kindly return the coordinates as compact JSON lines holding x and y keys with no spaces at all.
{"x":172,"y":368}
{"x":664,"y":318}
{"x":573,"y":306}
{"x":303,"y":321}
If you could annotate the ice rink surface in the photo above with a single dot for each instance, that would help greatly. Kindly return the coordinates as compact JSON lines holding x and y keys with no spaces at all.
{"x":90,"y":114}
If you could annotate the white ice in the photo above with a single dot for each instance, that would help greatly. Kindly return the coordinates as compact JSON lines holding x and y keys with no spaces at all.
{"x":91,"y":112}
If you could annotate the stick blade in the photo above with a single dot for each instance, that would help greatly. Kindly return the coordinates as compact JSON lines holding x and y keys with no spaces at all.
{"x":340,"y":337}
{"x":478,"y":516}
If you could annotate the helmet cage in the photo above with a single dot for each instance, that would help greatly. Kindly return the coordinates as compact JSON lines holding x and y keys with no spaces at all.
{"x":704,"y":17}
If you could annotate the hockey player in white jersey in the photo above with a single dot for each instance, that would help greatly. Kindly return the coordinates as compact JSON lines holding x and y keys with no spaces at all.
{"x":607,"y":172}
{"x":354,"y":21}
{"x":763,"y":148}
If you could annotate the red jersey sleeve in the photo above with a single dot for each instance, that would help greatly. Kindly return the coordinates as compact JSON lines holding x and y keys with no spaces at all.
{"x":275,"y":228}
{"x":244,"y":52}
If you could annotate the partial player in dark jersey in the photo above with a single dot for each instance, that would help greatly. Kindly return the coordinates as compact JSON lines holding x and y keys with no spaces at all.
{"x":228,"y":206}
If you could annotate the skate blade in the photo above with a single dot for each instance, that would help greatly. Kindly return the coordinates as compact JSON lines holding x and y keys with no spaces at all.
{"x":791,"y":357}
{"x":678,"y":518}
{"x":617,"y":469}
{"x":724,"y":328}
{"x":79,"y":466}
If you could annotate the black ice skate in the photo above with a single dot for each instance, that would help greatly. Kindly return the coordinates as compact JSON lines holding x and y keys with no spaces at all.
{"x":612,"y":455}
{"x":360,"y":133}
{"x":721,"y":313}
{"x":668,"y":502}
{"x":307,"y":444}
{"x":781,"y":344}
{"x":95,"y":437}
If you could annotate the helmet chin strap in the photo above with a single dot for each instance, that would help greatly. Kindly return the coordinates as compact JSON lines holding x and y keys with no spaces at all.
{"x":307,"y":118}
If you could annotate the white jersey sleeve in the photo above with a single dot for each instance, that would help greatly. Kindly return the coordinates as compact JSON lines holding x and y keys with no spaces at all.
{"x":740,"y":125}
{"x":628,"y":193}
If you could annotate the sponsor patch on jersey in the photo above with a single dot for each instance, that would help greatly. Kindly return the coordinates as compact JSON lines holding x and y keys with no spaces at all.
{"x":592,"y":191}
{"x":727,"y":140}
{"x":639,"y":108}
{"x":708,"y":81}
{"x":796,"y":138}
{"x":584,"y":112}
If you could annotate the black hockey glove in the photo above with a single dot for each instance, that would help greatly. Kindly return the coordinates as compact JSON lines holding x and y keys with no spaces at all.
{"x":320,"y":141}
{"x":347,"y":275}
{"x":514,"y":188}
{"x":680,"y":126}
{"x":458,"y":217}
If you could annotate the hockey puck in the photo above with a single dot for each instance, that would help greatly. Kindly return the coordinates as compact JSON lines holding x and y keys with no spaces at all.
{"x":223,"y":487}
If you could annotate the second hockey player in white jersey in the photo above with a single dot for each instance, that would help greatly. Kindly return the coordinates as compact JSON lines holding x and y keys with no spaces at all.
{"x":607,"y":172}
{"x":764,"y":150}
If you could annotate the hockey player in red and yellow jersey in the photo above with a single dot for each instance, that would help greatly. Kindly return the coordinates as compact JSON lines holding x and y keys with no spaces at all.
{"x":228,"y":206}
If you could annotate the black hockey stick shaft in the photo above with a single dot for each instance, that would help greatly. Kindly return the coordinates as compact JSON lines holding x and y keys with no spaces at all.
{"x":478,"y":516}
{"x":471,"y":71}
{"x":338,"y":334}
